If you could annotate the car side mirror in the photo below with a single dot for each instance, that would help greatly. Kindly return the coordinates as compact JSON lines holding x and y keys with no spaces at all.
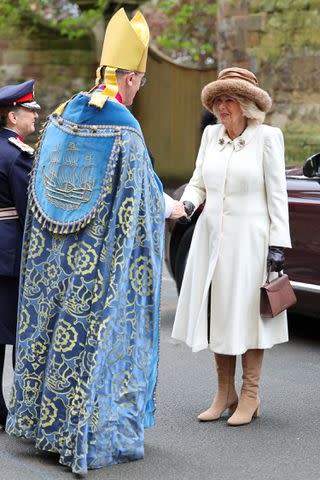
{"x":311,"y":166}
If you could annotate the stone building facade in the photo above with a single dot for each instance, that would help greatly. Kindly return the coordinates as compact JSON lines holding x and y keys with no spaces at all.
{"x":61,"y":67}
{"x":279,"y":40}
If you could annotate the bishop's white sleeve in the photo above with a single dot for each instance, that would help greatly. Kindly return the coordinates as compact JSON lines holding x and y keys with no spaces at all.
{"x":195,"y":191}
{"x":276,"y":188}
{"x":168,"y":204}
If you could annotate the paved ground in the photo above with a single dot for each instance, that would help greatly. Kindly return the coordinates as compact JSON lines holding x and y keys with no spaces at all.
{"x":284,"y":443}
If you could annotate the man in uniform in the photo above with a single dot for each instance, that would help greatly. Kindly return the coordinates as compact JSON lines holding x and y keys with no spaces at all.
{"x":87,"y":349}
{"x":18,"y":113}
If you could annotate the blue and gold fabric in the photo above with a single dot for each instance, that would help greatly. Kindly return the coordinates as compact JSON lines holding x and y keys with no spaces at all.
{"x":88,"y":330}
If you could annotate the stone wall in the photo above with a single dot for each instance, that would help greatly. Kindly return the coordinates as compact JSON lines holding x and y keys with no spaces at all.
{"x":279,"y":40}
{"x":61,"y":67}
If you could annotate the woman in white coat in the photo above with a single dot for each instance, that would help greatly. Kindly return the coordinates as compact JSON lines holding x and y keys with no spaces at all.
{"x":242,"y":231}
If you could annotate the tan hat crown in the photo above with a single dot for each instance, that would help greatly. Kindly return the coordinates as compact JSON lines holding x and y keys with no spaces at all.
{"x":236,"y":81}
{"x":235,"y":72}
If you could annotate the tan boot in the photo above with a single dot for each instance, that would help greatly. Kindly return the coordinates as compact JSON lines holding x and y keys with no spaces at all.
{"x":249,"y":402}
{"x":226,"y":396}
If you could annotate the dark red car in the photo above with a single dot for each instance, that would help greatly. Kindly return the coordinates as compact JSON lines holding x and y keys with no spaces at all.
{"x":302,"y":261}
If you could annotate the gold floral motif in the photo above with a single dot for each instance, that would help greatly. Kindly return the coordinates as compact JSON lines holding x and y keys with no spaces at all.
{"x":48,"y":413}
{"x":36,"y":243}
{"x":38,"y":348}
{"x":127,"y":216}
{"x":72,"y":255}
{"x":26,"y":422}
{"x":51,"y":271}
{"x":65,"y":337}
{"x":141,"y":276}
{"x":84,"y":258}
{"x":78,"y":403}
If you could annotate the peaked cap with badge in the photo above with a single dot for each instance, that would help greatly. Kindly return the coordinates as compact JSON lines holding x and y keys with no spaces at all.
{"x":20,"y":95}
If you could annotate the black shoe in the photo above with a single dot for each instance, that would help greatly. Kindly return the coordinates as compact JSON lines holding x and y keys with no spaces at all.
{"x":3,"y":416}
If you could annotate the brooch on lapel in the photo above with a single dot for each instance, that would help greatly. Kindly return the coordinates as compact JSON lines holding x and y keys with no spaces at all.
{"x":221,"y":141}
{"x":21,"y":145}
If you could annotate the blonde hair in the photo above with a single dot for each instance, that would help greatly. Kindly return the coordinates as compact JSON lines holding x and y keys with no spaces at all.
{"x":249,"y":109}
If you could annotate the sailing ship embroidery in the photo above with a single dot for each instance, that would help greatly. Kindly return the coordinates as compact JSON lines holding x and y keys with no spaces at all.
{"x":67,"y":183}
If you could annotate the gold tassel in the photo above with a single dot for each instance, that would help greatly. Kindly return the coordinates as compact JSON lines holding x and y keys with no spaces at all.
{"x":98,"y":99}
{"x":98,"y":75}
{"x":59,"y":110}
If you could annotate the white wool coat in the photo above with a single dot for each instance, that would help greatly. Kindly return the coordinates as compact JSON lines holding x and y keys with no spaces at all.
{"x":246,"y":210}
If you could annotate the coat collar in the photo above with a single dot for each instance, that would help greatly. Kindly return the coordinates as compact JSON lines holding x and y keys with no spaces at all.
{"x":239,"y":142}
{"x":7,"y":133}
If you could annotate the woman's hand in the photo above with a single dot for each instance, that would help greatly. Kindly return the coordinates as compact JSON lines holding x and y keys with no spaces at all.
{"x":178,"y":210}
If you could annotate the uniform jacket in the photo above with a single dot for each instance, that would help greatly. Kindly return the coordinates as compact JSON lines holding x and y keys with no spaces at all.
{"x":246,"y":210}
{"x":15,"y":165}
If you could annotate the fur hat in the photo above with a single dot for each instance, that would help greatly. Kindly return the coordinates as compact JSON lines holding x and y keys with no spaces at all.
{"x":236,"y":81}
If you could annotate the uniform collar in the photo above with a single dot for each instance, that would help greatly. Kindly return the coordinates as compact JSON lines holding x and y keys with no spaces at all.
{"x":13,"y":133}
{"x":239,"y":142}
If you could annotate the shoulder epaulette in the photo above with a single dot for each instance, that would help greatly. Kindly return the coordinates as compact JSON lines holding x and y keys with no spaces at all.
{"x":21,"y":145}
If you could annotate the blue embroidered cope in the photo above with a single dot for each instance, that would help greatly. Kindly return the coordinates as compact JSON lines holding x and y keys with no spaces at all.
{"x":88,"y":330}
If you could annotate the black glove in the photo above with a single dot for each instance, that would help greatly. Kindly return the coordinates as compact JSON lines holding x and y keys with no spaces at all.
{"x":275,"y":259}
{"x":189,"y":209}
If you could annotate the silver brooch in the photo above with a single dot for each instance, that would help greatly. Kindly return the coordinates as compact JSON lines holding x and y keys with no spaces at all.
{"x":242,"y":142}
{"x":221,"y":141}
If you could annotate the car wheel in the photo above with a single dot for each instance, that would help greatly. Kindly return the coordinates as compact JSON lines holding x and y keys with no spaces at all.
{"x":182,"y":256}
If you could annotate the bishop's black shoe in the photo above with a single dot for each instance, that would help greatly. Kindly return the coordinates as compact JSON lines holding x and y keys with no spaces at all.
{"x":3,"y":416}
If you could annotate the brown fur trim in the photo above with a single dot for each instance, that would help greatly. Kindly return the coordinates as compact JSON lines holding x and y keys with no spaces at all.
{"x":235,"y":86}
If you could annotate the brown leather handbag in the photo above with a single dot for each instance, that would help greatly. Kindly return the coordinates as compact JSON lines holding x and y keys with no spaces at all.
{"x":276,"y":296}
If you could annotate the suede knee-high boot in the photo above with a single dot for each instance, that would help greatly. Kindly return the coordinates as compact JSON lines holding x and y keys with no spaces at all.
{"x":3,"y":407}
{"x":226,"y":396}
{"x":249,"y":402}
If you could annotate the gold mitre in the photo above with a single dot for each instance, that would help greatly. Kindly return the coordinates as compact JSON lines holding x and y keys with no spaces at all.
{"x":126,"y":42}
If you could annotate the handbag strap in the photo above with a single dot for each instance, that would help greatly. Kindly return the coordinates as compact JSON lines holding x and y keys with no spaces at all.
{"x":268,"y":275}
